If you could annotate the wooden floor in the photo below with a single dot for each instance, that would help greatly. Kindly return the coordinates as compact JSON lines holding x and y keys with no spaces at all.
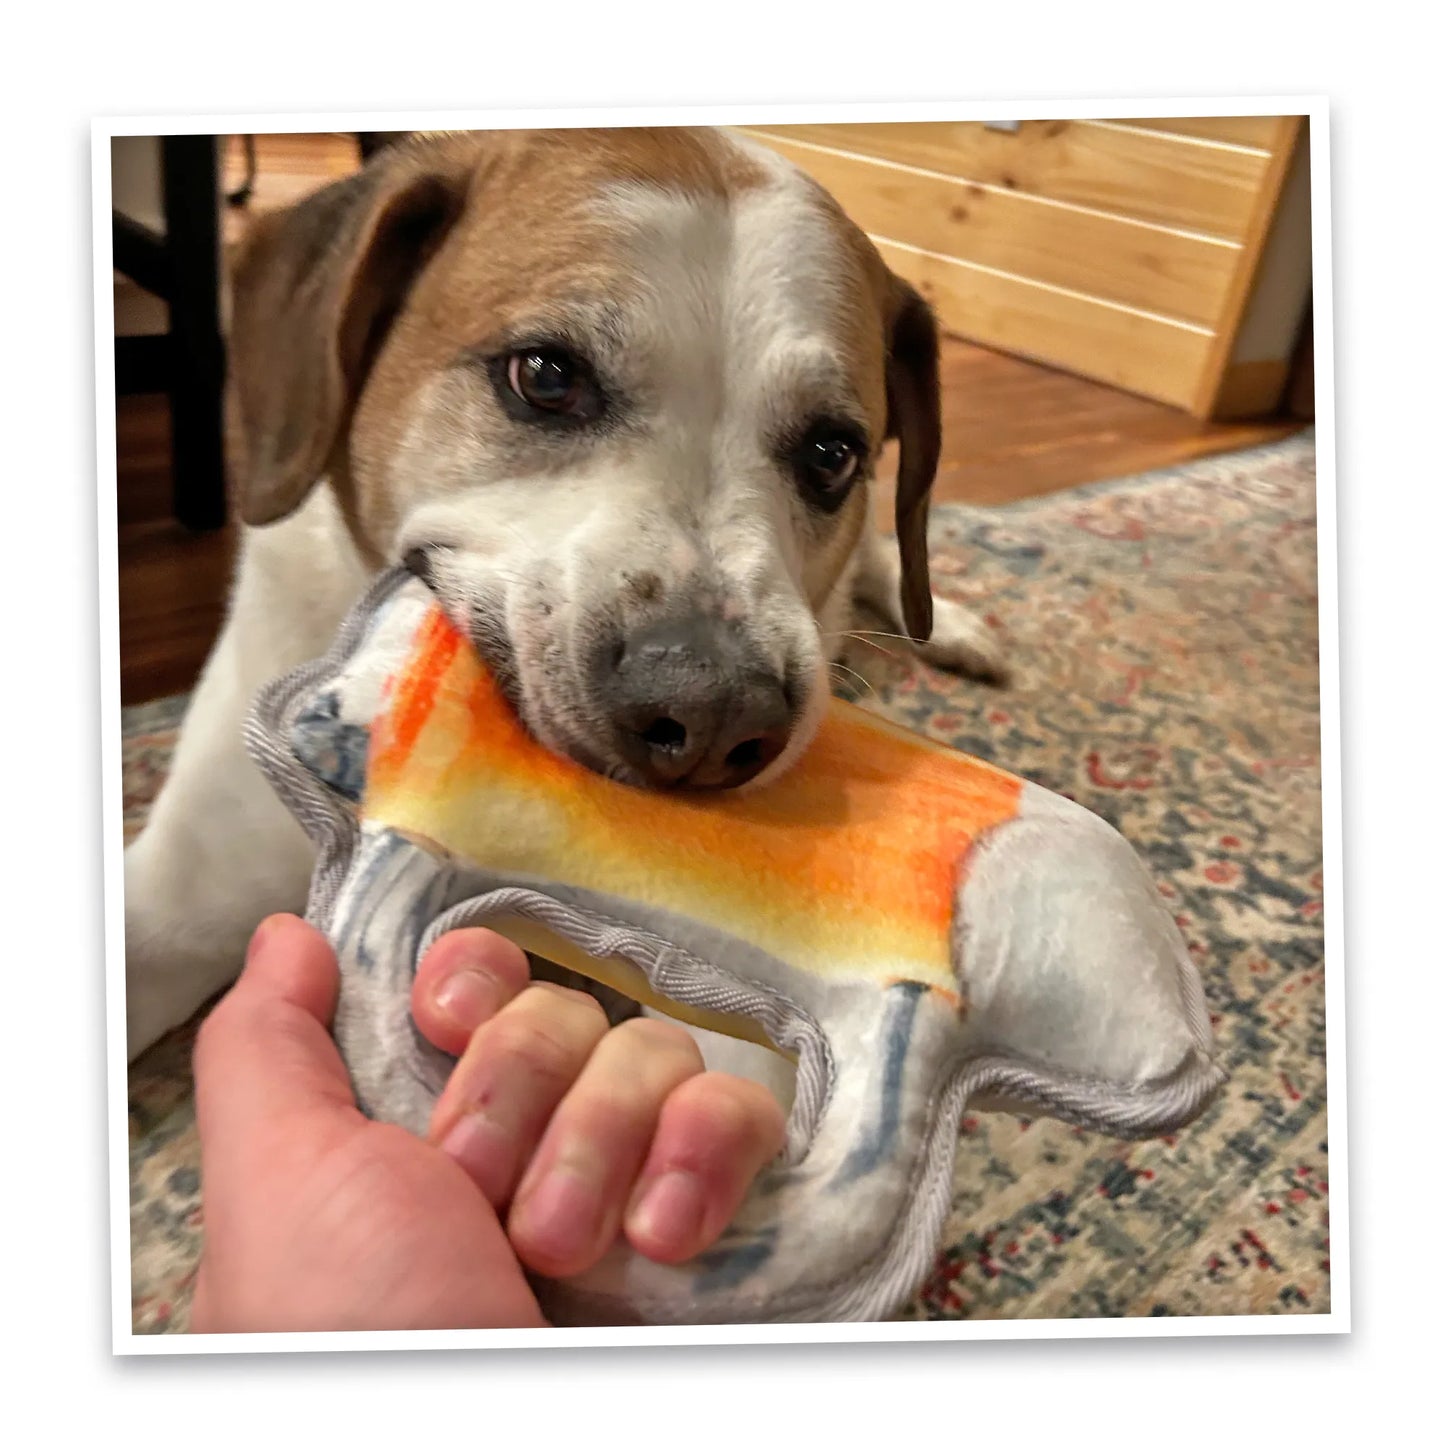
{"x":1011,"y":430}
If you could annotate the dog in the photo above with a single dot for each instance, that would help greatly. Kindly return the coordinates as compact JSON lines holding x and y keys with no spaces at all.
{"x":619,"y":396}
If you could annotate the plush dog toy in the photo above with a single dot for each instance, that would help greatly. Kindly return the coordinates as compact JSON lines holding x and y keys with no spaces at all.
{"x":919,"y":931}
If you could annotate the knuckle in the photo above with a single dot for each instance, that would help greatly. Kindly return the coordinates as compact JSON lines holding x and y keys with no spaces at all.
{"x":534,"y":1044}
{"x":737,"y":1116}
{"x":658,"y":1036}
{"x":549,"y":993}
{"x":606,"y":1116}
{"x":213,"y":1026}
{"x":231,"y":1014}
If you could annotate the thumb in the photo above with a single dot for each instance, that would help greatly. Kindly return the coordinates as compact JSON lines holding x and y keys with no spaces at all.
{"x":266,"y":1052}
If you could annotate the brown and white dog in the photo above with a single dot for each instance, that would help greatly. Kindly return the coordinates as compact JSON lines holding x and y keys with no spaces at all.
{"x":619,"y":396}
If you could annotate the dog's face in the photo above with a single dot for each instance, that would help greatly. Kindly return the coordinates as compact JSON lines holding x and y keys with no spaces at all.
{"x":618,"y":396}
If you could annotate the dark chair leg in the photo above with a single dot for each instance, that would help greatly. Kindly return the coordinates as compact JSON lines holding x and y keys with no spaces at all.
{"x":191,"y":189}
{"x":243,"y":192}
{"x":368,"y":142}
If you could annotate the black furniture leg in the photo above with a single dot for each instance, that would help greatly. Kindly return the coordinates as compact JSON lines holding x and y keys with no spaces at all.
{"x":197,"y":373}
{"x":371,"y":141}
{"x":246,"y":189}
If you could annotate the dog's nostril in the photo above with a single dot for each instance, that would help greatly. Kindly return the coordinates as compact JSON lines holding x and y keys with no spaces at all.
{"x":666,"y":734}
{"x":746,"y":755}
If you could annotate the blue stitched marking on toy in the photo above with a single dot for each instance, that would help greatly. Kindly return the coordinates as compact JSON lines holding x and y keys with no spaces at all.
{"x":395,"y":893}
{"x":333,"y":750}
{"x":382,"y":871}
{"x":875,"y":1146}
{"x":731,"y":1264}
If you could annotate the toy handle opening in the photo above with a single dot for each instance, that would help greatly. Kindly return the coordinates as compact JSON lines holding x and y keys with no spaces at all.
{"x":831,"y":1234}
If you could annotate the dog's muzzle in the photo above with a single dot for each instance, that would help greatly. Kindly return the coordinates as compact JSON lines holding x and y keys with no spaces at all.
{"x":692,"y":706}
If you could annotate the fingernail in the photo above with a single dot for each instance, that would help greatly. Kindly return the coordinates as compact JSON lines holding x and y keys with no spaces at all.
{"x":468,"y":999}
{"x":670,"y":1212}
{"x":482,"y":1147}
{"x":562,"y":1214}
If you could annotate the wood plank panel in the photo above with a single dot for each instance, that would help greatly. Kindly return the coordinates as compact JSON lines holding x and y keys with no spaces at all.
{"x":1012,"y":429}
{"x":1134,"y":350}
{"x":1259,"y":131}
{"x":1138,"y":265}
{"x":1249,"y":388}
{"x":1170,"y":180}
{"x":1262,"y":217}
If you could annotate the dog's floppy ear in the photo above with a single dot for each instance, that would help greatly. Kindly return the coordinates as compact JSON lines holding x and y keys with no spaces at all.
{"x":914,"y":418}
{"x":315,"y":289}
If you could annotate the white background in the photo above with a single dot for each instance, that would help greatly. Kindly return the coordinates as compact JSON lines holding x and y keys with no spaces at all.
{"x":60,"y":71}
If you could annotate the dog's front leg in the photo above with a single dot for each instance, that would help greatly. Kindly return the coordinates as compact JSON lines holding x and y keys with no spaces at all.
{"x":220,"y":851}
{"x":961,"y":642}
{"x":218,"y":854}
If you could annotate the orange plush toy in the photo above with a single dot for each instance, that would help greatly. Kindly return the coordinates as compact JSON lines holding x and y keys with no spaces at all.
{"x":916,"y":930}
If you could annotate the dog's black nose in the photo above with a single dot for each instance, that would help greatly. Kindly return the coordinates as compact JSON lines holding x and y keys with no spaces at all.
{"x":693,"y":708}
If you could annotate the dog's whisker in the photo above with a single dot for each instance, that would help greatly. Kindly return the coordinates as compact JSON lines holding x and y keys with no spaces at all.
{"x":896,"y":636}
{"x":892,"y":656}
{"x":851,"y":673}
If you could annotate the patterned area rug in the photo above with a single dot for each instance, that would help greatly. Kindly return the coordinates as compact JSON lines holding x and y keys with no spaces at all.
{"x":1164,"y":634}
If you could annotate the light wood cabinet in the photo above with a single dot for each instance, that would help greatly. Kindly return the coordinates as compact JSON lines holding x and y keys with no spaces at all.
{"x":1169,"y":257}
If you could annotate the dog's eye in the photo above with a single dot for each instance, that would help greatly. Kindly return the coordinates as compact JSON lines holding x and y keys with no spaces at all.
{"x":550,"y":380}
{"x":827,"y":460}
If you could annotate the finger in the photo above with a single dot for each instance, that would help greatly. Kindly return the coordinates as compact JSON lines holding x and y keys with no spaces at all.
{"x":465,"y":978}
{"x":715,"y":1133}
{"x":265,"y":1051}
{"x":568,"y":1209}
{"x":291,"y":962}
{"x":516,"y":1070}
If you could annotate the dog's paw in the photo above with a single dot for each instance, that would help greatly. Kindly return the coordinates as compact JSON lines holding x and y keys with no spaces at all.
{"x":962,"y":642}
{"x":178,"y":954}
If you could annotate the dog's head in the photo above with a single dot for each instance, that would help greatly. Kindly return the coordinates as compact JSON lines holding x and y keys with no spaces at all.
{"x":618,"y":396}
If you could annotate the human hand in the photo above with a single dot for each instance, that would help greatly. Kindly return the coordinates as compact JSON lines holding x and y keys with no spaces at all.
{"x":319,"y":1219}
{"x":580,"y":1133}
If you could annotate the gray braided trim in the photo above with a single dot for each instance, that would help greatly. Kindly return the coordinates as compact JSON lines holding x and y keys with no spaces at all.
{"x":324,"y":816}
